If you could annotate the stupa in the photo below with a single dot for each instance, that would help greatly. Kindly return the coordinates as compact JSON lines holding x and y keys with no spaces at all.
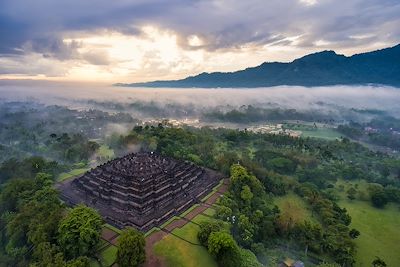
{"x":142,"y":190}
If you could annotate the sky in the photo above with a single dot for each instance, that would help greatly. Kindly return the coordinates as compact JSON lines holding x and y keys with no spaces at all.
{"x":142,"y":40}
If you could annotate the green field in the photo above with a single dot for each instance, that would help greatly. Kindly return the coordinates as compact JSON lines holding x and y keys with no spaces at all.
{"x":179,"y":253}
{"x":308,"y":130}
{"x":323,"y":133}
{"x":380,"y":228}
{"x":67,"y":175}
{"x":380,"y":232}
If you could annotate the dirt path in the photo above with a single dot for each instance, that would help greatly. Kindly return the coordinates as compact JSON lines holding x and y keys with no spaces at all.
{"x":154,"y":261}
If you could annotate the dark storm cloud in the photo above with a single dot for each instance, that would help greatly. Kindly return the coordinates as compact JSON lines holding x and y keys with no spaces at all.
{"x":40,"y":25}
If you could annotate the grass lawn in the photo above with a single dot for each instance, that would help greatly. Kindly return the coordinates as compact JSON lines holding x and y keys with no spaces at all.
{"x":380,"y":228}
{"x":291,"y":205}
{"x":380,"y":231}
{"x":323,"y":133}
{"x":67,"y":175}
{"x":201,"y":218}
{"x":308,"y":130}
{"x":209,"y":212}
{"x":179,"y":253}
{"x":108,"y":255}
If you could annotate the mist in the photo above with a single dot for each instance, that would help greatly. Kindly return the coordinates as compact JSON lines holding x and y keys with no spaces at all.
{"x":150,"y":103}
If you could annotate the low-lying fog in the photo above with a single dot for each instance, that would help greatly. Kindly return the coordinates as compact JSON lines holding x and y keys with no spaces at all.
{"x":330,"y":99}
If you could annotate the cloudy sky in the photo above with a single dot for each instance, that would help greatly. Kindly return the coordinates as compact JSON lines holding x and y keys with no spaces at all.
{"x":141,"y":40}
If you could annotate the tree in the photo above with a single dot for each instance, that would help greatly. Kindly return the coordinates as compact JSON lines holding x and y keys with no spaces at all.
{"x":223,"y":212}
{"x":282,"y":165}
{"x":354,"y":233}
{"x":378,"y":262}
{"x":351,"y":193}
{"x":246,"y":230}
{"x":206,"y":228}
{"x":12,"y":193}
{"x":47,"y":255}
{"x":131,"y":248}
{"x":220,"y":242}
{"x":308,"y":234}
{"x":246,"y":194}
{"x":248,"y":259}
{"x":379,"y":199}
{"x":222,"y":246}
{"x":34,"y":219}
{"x":78,"y":262}
{"x":79,"y":232}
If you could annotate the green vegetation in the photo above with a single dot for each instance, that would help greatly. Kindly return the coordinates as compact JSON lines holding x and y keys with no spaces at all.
{"x":294,"y":207}
{"x":276,"y":166}
{"x":178,"y":253}
{"x":324,"y":133}
{"x":71,"y":174}
{"x":108,"y":256}
{"x":104,"y":153}
{"x":79,"y":232}
{"x":36,"y":229}
{"x":311,"y":199}
{"x":28,"y":168}
{"x":314,"y":130}
{"x":382,"y":131}
{"x":380,"y":231}
{"x":246,"y":114}
{"x":131,"y":251}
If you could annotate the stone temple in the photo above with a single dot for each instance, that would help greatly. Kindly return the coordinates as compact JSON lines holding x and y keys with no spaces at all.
{"x":142,"y":190}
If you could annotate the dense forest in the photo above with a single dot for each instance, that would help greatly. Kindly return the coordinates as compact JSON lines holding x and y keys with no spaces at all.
{"x":36,"y":227}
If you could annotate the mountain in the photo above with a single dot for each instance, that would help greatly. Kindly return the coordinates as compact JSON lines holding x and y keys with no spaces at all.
{"x":318,"y":69}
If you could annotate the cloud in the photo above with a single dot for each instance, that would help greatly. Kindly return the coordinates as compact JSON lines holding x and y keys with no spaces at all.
{"x":99,"y":57}
{"x":59,"y":30}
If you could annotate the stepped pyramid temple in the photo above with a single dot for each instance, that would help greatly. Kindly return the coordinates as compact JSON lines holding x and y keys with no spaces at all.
{"x":142,"y":190}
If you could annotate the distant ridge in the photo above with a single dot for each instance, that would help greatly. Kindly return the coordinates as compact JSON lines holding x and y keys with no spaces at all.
{"x":318,"y":69}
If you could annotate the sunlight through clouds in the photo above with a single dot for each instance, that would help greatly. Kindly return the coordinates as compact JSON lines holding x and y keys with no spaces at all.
{"x":133,"y":41}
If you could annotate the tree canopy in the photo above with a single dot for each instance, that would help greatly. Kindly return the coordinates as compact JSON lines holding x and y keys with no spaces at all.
{"x":79,"y":232}
{"x":131,"y":248}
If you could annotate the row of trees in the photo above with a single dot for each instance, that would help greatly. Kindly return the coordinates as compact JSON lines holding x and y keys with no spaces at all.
{"x":333,"y":236}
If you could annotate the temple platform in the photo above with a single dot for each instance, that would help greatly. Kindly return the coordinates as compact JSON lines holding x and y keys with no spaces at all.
{"x":141,"y":190}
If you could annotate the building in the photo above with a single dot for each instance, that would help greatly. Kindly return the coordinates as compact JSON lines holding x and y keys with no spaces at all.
{"x":142,"y":190}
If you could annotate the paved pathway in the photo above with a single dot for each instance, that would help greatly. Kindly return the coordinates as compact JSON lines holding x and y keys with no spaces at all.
{"x":154,"y":261}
